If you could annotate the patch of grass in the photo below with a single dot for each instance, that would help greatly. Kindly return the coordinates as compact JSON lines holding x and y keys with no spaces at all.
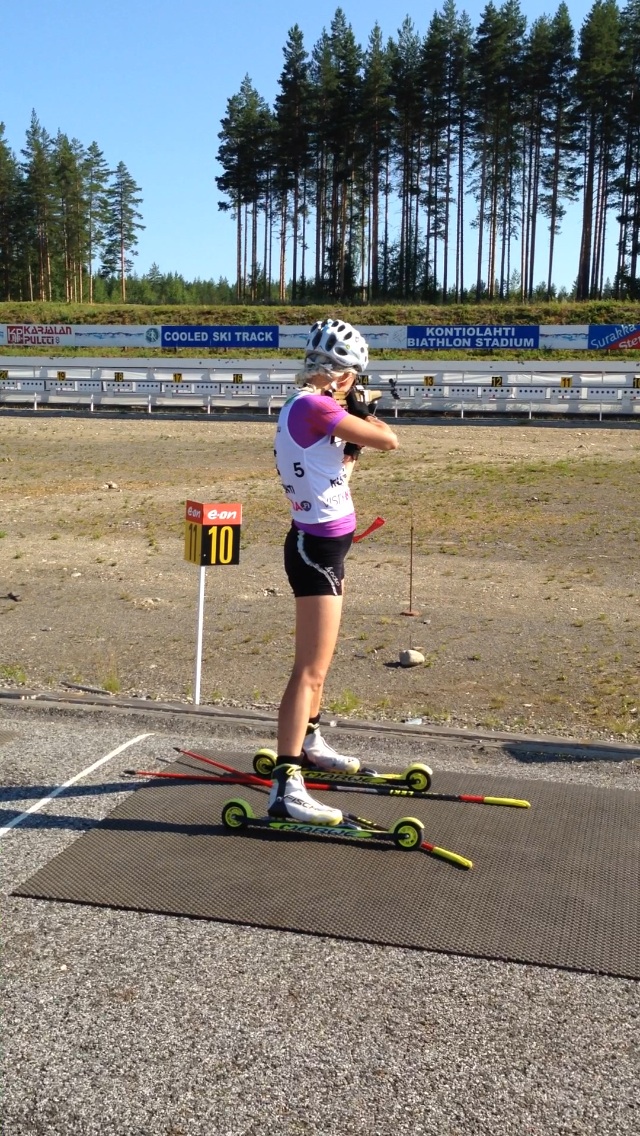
{"x":489,"y":722}
{"x":345,"y":703}
{"x":109,"y":677}
{"x":435,"y":715}
{"x":382,"y":704}
{"x":13,"y":672}
{"x":152,"y":539}
{"x":2,"y":533}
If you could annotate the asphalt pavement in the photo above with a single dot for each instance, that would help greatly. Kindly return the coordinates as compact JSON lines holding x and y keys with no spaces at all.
{"x":127,"y":1024}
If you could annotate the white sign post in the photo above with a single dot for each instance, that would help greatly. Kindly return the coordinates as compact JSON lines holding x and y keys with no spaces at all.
{"x":211,"y":538}
{"x":199,"y":628}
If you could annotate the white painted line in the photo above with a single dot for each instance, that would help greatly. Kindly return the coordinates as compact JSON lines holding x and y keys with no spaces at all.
{"x":72,"y":780}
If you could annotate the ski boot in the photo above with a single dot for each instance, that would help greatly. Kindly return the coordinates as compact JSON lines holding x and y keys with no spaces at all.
{"x":318,"y":754}
{"x":289,"y":799}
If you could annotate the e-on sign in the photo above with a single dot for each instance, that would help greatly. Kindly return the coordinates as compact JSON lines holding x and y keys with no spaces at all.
{"x":212,"y":533}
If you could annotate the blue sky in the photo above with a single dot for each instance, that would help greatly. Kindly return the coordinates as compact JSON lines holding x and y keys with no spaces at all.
{"x":149,"y":83}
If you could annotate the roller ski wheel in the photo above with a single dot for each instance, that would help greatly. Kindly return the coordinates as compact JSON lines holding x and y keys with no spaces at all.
{"x":236,"y":815}
{"x":419,"y":777}
{"x":408,"y":834}
{"x":265,"y":762}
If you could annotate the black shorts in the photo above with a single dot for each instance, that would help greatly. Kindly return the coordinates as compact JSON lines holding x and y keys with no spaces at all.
{"x":315,"y":564}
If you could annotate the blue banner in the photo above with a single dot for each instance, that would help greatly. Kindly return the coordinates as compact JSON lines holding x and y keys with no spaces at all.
{"x":611,"y":337}
{"x":232,"y":335}
{"x":446,"y":337}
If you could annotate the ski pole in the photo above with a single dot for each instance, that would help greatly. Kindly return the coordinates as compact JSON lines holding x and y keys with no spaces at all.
{"x":219,"y":780}
{"x":380,"y":790}
{"x":377,"y":524}
{"x":249,"y":778}
{"x":390,"y":791}
{"x":445,"y":854}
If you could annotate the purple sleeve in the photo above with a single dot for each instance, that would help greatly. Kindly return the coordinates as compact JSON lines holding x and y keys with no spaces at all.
{"x":313,"y":418}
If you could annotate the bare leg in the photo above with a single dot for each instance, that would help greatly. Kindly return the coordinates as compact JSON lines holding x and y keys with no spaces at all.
{"x":317,"y":626}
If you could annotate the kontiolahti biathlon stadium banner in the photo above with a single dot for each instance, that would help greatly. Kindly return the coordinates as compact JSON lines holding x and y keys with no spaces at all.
{"x":260,"y":337}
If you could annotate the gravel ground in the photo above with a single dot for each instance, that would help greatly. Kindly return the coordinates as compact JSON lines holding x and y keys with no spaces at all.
{"x":524,"y":571}
{"x":136,"y":1025}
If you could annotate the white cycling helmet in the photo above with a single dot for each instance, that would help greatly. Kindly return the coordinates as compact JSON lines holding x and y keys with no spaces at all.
{"x":337,"y":343}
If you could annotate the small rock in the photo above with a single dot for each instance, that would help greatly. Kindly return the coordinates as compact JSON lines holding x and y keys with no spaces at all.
{"x":413,"y":721}
{"x":411,"y":658}
{"x":46,"y":628}
{"x":111,"y":485}
{"x":76,"y":574}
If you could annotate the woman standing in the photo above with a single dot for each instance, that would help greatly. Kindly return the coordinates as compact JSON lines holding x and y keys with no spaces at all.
{"x":317,"y":443}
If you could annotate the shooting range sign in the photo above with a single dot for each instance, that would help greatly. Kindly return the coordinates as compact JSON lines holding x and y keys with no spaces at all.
{"x":212,"y":533}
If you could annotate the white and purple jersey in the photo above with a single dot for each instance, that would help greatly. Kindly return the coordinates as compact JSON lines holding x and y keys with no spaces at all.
{"x":309,"y":464}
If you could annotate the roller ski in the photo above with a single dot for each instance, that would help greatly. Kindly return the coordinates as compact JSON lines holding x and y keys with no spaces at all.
{"x":229,"y":775}
{"x":320,"y":762}
{"x":291,"y":810}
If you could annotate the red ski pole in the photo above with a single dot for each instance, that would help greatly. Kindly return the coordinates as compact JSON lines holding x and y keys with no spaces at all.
{"x":377,"y":524}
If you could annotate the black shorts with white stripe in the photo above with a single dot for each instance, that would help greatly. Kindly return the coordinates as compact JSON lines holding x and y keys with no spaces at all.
{"x":315,"y":564}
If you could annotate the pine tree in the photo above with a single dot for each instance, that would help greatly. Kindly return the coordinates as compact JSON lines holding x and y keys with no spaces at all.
{"x":9,"y":220}
{"x":344,"y":137}
{"x":68,"y":159}
{"x":598,"y":86}
{"x":96,"y":176}
{"x":292,"y":142}
{"x":497,"y":105}
{"x":559,"y":170}
{"x":628,"y":185}
{"x":122,"y":225}
{"x":37,"y":193}
{"x":245,"y":155}
{"x":439,"y":92}
{"x":324,"y":79}
{"x":376,"y":132}
{"x":408,"y":114}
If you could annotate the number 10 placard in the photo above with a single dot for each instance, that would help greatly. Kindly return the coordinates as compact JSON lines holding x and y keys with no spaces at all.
{"x":212,"y":533}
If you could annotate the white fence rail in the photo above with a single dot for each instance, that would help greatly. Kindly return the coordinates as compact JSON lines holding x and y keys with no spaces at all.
{"x":420,"y":388}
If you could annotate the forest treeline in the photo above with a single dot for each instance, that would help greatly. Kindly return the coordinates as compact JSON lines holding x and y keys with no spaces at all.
{"x":381,"y":172}
{"x":68,"y":223}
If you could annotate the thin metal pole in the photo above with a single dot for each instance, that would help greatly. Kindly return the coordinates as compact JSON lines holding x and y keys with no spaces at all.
{"x":410,"y":610}
{"x":411,"y":568}
{"x":199,"y":627}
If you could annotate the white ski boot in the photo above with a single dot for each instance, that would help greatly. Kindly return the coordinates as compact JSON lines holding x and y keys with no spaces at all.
{"x":321,"y":755}
{"x":289,"y":798}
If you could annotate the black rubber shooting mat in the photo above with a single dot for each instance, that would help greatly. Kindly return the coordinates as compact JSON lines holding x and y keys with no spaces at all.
{"x":553,"y":885}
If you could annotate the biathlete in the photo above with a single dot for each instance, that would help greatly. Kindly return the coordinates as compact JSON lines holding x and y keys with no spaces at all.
{"x":321,"y":430}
